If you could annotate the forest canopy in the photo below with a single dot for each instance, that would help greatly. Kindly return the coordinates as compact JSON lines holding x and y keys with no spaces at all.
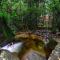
{"x":22,"y":15}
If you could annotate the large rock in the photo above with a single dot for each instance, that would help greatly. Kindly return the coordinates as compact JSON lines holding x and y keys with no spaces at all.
{"x":6,"y":55}
{"x":55,"y":55}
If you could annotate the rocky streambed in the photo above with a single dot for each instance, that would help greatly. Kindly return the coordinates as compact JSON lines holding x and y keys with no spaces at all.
{"x":11,"y":52}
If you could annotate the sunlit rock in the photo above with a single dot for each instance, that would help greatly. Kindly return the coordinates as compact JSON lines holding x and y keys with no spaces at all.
{"x":27,"y":35}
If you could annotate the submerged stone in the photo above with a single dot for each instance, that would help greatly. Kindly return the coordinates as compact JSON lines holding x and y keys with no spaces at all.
{"x":33,"y":55}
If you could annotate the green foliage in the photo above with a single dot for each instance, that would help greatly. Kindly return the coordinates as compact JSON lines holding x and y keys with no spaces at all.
{"x":23,"y":14}
{"x":21,"y":10}
{"x":53,"y":6}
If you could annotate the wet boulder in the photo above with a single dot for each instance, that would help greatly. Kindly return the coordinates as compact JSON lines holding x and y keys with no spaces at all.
{"x":55,"y":55}
{"x":6,"y":55}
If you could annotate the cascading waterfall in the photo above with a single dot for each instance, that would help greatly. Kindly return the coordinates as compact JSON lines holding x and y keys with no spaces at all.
{"x":14,"y":47}
{"x":6,"y":52}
